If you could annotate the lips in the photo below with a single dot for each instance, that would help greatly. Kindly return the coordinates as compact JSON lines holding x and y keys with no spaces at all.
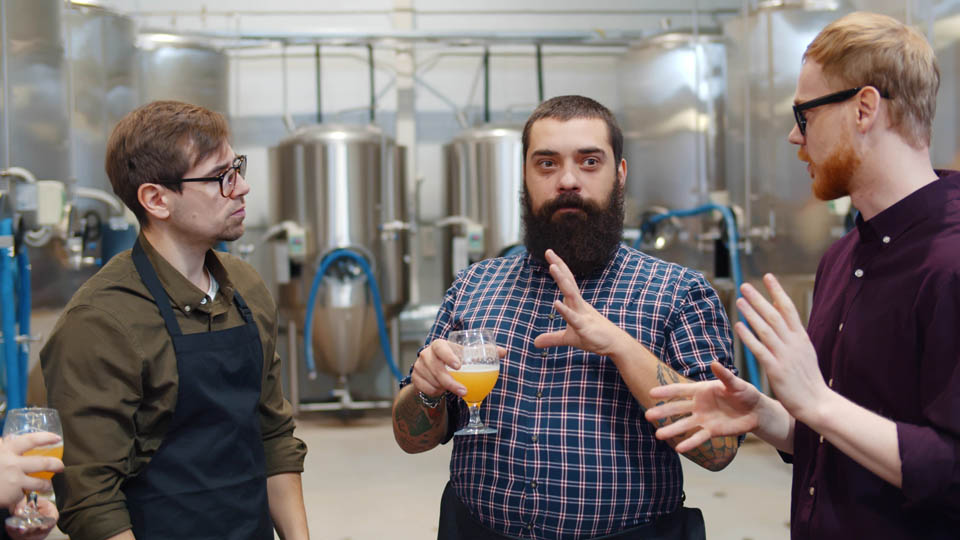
{"x":240,"y":212}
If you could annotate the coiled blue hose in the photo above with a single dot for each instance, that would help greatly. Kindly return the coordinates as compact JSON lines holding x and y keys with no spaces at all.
{"x":734,"y":248}
{"x":328,"y":260}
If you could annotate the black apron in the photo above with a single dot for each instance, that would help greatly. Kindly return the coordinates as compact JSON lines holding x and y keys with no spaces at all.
{"x":457,"y":523}
{"x":208,"y":478}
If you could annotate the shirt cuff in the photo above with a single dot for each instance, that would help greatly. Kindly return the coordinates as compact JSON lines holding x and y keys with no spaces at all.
{"x":97,"y":522}
{"x":284,"y":455}
{"x":928,"y":462}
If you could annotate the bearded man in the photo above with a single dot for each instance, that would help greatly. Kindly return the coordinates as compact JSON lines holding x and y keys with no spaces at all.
{"x":573,"y":456}
{"x":867,"y":395}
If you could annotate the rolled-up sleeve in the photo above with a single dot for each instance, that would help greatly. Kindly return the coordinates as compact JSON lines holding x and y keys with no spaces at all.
{"x":92,"y":369}
{"x":699,"y":331}
{"x":930,"y":450}
{"x":284,"y":452}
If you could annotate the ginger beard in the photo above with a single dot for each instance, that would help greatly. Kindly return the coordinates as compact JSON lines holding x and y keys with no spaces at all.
{"x":831,"y":177}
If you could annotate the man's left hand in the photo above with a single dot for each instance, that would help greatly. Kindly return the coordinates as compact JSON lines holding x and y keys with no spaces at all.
{"x":586,"y":328}
{"x":783,"y":348}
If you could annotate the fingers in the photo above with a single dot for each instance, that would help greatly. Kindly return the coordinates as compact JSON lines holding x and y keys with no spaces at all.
{"x":677,"y":428}
{"x":564,"y":277}
{"x":35,"y":464}
{"x":550,"y":339}
{"x":759,"y":305}
{"x":692,"y":441}
{"x":671,"y":408}
{"x":19,"y":444}
{"x":501,"y":352}
{"x":770,"y":338}
{"x":783,"y":302}
{"x":36,"y":484}
{"x":572,"y":317}
{"x":760,"y":351}
{"x":670,"y":391}
{"x":724,"y":375}
{"x":430,"y":374}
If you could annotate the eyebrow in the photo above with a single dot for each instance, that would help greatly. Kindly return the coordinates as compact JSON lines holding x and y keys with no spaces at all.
{"x":546,"y":152}
{"x":219,"y":168}
{"x":591,"y":150}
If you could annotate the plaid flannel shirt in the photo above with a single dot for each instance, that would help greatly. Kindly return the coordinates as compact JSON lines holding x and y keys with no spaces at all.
{"x":573,"y":456}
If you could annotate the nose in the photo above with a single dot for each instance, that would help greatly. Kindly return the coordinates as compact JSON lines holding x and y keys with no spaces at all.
{"x":795,"y":137}
{"x":242,"y":187}
{"x":569,"y":180}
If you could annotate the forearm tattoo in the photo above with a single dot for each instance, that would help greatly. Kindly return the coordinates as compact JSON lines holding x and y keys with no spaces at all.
{"x":417,"y":428}
{"x":714,"y":454}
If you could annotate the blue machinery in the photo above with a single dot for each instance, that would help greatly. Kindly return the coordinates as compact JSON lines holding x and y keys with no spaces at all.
{"x":16,"y":313}
{"x":735,"y":271}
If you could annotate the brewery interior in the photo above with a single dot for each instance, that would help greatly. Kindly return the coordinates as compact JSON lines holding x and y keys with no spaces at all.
{"x":384,"y":155}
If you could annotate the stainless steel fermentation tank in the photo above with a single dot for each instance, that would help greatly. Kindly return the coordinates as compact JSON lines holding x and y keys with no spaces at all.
{"x":345,"y":186}
{"x":484,"y":167}
{"x":183,"y":69}
{"x":673,"y":88}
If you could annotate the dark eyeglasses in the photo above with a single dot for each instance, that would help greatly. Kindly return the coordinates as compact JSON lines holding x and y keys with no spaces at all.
{"x":835,"y":97}
{"x":227,"y":179}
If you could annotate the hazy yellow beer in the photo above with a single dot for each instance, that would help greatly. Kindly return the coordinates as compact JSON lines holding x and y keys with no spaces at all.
{"x":50,"y":451}
{"x":479,"y":380}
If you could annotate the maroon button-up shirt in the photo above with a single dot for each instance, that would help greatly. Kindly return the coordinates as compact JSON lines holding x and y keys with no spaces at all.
{"x":886,"y":326}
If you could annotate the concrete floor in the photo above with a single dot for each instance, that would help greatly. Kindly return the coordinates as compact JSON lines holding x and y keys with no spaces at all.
{"x":358,"y":485}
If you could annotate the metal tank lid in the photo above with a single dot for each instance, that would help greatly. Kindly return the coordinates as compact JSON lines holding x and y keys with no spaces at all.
{"x":678,"y":37}
{"x":490,"y":131}
{"x":336,"y":132}
{"x":807,"y":5}
{"x":153,"y":41}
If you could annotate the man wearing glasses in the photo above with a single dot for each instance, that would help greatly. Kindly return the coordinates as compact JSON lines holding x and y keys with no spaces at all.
{"x":164,"y":366}
{"x":868,"y":405}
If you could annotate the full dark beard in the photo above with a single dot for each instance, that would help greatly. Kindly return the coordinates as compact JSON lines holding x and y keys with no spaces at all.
{"x":585,"y":241}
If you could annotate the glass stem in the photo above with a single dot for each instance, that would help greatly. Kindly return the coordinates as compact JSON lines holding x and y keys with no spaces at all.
{"x":475,"y":415}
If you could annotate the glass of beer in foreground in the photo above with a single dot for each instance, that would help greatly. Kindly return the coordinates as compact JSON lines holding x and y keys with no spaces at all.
{"x":32,"y":420}
{"x":479,"y":369}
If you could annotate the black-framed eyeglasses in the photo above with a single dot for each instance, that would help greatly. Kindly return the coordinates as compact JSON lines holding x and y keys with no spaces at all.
{"x":835,"y":97}
{"x":227,"y":179}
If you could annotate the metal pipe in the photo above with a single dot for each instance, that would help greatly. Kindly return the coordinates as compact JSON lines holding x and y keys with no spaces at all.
{"x":287,"y":117}
{"x":6,"y":84}
{"x":319,"y":79}
{"x":23,"y":314}
{"x":458,"y":12}
{"x":539,"y":73}
{"x":373,"y":90}
{"x":100,"y":195}
{"x":486,"y":85}
{"x":293,"y":365}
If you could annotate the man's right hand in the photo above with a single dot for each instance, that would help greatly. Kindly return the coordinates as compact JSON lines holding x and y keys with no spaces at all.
{"x":430,"y":374}
{"x":14,"y":467}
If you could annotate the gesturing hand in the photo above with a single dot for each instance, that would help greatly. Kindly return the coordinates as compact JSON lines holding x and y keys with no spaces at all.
{"x":727,"y":406}
{"x":586,"y":328}
{"x":782,"y":347}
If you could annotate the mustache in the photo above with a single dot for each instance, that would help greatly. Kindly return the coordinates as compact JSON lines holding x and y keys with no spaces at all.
{"x":569,"y":201}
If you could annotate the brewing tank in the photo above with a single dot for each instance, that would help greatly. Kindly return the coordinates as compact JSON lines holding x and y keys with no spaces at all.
{"x":673,"y":88}
{"x":345,"y":185}
{"x":183,"y":69}
{"x":484,"y":167}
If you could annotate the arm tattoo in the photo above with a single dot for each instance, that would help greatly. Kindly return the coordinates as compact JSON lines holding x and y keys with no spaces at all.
{"x":416,"y":428}
{"x":713,"y":454}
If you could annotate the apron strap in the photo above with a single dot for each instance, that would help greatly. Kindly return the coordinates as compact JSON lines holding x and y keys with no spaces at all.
{"x":150,"y":279}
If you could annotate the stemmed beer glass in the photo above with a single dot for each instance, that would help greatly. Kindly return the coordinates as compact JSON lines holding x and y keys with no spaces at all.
{"x":479,"y":370}
{"x":32,"y":420}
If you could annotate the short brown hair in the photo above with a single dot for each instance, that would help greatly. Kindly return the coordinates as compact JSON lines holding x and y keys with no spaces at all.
{"x":867,"y":49}
{"x":566,"y":108}
{"x":160,"y":141}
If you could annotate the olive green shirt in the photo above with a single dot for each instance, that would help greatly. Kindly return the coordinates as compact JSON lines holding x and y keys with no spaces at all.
{"x":111,"y":372}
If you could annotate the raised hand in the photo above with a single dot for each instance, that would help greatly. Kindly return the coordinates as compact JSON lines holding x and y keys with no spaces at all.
{"x":703,"y":410}
{"x":782,"y":347}
{"x":586,"y":328}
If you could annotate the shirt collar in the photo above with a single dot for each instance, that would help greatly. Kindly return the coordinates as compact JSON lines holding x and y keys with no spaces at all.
{"x":183,"y":294}
{"x":922,"y":204}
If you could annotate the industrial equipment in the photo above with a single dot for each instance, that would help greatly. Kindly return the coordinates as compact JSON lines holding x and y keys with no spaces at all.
{"x":339,"y":202}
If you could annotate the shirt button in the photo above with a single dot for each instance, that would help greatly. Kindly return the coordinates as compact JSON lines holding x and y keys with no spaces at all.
{"x":830,"y":383}
{"x":529,"y":526}
{"x":841,"y":328}
{"x":551,"y":316}
{"x":539,"y":395}
{"x":886,"y":239}
{"x":203,"y":301}
{"x":543,"y":354}
{"x":533,"y":438}
{"x":533,"y":484}
{"x":821,"y":439}
{"x":187,"y":308}
{"x":811,"y":491}
{"x":858,"y":273}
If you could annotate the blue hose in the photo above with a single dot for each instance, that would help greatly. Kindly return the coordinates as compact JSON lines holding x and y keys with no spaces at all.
{"x":733,"y":247}
{"x":8,"y":321}
{"x":328,"y":260}
{"x":23,"y":312}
